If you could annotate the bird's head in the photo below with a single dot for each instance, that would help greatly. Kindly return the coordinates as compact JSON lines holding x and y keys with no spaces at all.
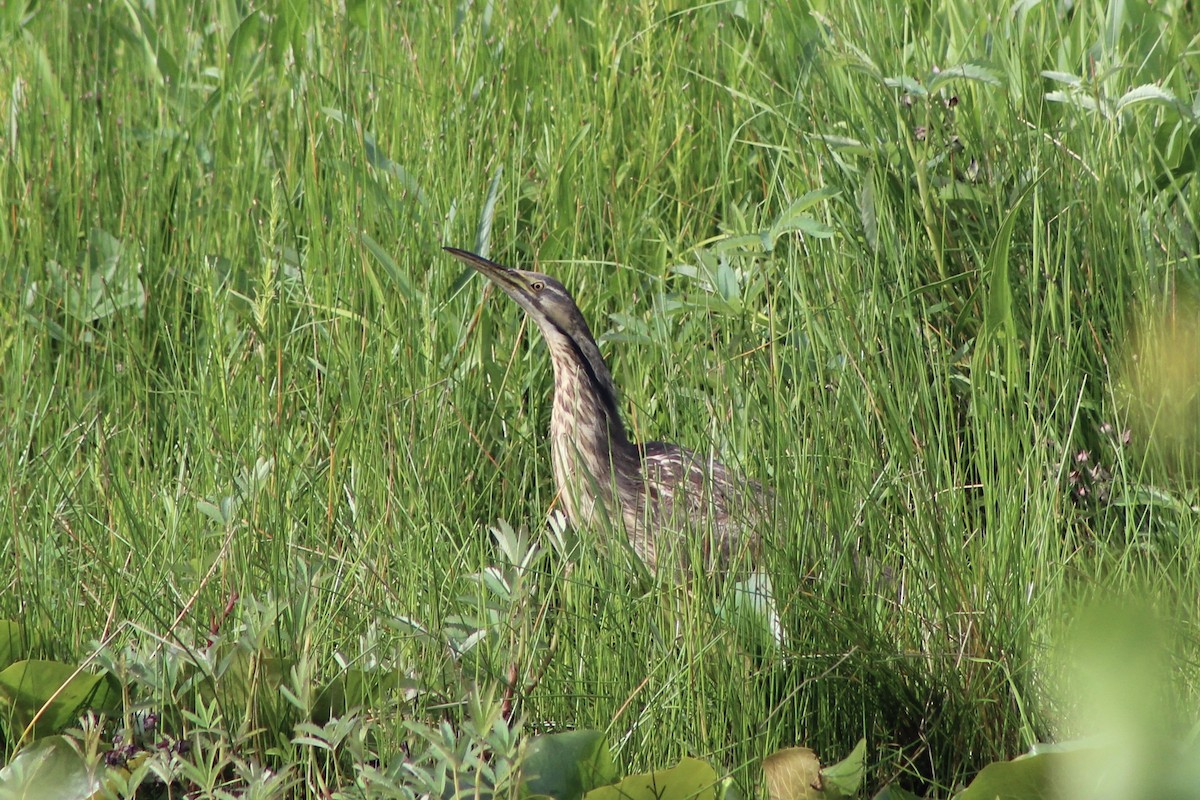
{"x":562,"y":324}
{"x":544,"y":299}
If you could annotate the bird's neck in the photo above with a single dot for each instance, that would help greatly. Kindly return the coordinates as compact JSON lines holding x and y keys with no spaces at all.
{"x":591,"y":453}
{"x":585,"y":408}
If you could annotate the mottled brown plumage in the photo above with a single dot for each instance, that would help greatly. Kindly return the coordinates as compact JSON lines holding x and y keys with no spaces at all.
{"x":670,"y":501}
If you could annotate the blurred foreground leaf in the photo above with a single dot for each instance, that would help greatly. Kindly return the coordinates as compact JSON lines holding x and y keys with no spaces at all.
{"x":48,"y":768}
{"x":566,"y":766}
{"x":28,"y":686}
{"x":690,"y":779}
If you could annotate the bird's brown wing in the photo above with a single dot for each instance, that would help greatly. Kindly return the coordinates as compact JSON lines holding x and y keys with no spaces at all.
{"x":696,"y":495}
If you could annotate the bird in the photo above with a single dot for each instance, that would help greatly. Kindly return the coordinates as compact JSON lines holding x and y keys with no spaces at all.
{"x":664,"y":496}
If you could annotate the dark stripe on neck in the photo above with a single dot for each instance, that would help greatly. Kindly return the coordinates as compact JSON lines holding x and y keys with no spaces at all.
{"x":607,"y":399}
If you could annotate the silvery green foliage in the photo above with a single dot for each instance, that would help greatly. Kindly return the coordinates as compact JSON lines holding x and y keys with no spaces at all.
{"x":478,"y":757}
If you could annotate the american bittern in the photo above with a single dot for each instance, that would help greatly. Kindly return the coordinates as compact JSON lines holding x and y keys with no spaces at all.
{"x":662,"y":494}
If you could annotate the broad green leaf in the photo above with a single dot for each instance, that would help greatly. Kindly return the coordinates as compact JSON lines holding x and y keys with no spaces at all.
{"x":48,"y":768}
{"x":107,"y":282}
{"x":847,"y":774}
{"x":961,"y":190}
{"x":971,"y":72}
{"x":1077,"y":99}
{"x":866,"y":211}
{"x":739,"y":241}
{"x":861,"y":60}
{"x":1062,"y":77}
{"x":212,"y":511}
{"x":910,"y":85}
{"x":239,"y":675}
{"x":566,"y":766}
{"x":285,"y":34}
{"x":728,"y":789}
{"x":244,"y":47}
{"x":1148,"y":93}
{"x":727,"y":284}
{"x":690,"y":779}
{"x":1024,"y":778}
{"x":894,"y":793}
{"x":805,"y":224}
{"x":807,"y":201}
{"x":357,"y":13}
{"x":27,"y":686}
{"x":12,"y":643}
{"x":358,"y":687}
{"x":794,"y":218}
{"x":998,"y":316}
{"x":843,"y":144}
{"x":144,"y":32}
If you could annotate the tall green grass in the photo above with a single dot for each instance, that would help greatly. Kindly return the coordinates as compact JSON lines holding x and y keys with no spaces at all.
{"x":246,"y":395}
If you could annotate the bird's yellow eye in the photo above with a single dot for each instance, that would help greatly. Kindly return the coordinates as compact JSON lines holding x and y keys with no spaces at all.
{"x":537,"y":286}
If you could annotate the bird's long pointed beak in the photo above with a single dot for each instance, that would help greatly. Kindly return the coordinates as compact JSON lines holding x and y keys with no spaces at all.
{"x":500,"y":274}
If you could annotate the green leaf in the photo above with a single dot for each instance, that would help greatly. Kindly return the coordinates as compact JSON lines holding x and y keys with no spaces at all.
{"x":961,"y":190}
{"x":968,"y":71}
{"x":144,"y":33}
{"x":212,"y":511}
{"x":847,"y":775}
{"x":1024,"y":778}
{"x":243,"y":49}
{"x":843,"y":144}
{"x":390,"y":266}
{"x":728,"y":789}
{"x":28,"y":686}
{"x":12,"y":642}
{"x":910,"y":85}
{"x":293,"y":21}
{"x":49,"y":767}
{"x":727,"y":284}
{"x":894,"y":793}
{"x":483,"y":236}
{"x":109,"y":280}
{"x":15,"y":15}
{"x":737,"y":242}
{"x":240,"y":675}
{"x":378,"y":159}
{"x":1077,"y":99}
{"x":1063,"y":77}
{"x":357,"y":13}
{"x":807,"y":225}
{"x":1148,"y":93}
{"x":690,"y":779}
{"x":358,"y":687}
{"x":794,"y":217}
{"x":566,"y":766}
{"x":866,"y":211}
{"x":807,"y":201}
{"x":998,"y":317}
